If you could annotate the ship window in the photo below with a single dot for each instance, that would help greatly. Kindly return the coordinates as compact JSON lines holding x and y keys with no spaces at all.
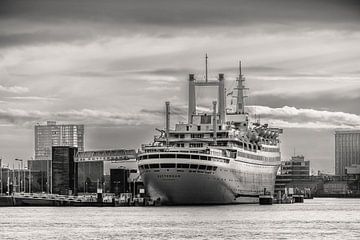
{"x":187,"y":128}
{"x":155,"y":165}
{"x":146,"y":166}
{"x":203,"y":158}
{"x":195,"y":145}
{"x":153,"y":156}
{"x":182,"y":135}
{"x":193,"y":166}
{"x":219,"y":127}
{"x":209,"y":168}
{"x":141,"y":167}
{"x":197,"y":135}
{"x":182,"y":165}
{"x":167,"y":165}
{"x":205,"y":119}
{"x":214,"y":168}
{"x":199,"y":128}
{"x":202,"y":166}
{"x":194,"y":156}
{"x":183,"y":156}
{"x":167,"y":155}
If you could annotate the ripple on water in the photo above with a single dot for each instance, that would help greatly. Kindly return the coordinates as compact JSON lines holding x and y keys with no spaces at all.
{"x":315,"y":219}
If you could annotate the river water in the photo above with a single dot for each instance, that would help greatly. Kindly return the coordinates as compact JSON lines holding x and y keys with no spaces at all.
{"x":314,"y":219}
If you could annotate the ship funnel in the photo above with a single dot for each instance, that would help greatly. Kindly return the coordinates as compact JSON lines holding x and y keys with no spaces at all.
{"x":214,"y":121}
{"x":167,"y":123}
{"x":192,"y":99}
{"x":221,"y":96}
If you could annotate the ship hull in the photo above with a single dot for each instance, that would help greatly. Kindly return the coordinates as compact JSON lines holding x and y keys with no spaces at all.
{"x":231,"y":183}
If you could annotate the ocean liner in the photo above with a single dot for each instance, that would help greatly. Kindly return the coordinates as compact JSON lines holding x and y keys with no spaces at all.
{"x":219,"y":157}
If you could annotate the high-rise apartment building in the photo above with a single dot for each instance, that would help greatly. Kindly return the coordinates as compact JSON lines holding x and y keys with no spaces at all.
{"x":52,"y":134}
{"x":347,"y":150}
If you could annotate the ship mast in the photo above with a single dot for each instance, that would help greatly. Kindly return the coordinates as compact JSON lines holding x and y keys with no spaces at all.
{"x":240,"y":103}
{"x":206,"y":68}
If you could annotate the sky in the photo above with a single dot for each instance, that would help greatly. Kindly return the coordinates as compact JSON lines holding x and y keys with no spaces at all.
{"x":112,"y":64}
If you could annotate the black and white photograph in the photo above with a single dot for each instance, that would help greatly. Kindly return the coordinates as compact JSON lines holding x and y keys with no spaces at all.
{"x":187,"y":119}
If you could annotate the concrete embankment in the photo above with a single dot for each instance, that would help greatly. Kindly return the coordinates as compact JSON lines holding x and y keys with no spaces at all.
{"x":6,"y":201}
{"x":14,"y":201}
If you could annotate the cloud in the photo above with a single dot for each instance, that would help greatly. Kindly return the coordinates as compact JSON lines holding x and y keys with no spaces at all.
{"x":291,"y":117}
{"x":45,"y":22}
{"x":33,"y":98}
{"x":286,"y":117}
{"x":13,"y":89}
{"x":40,"y":38}
{"x":180,"y":13}
{"x":83,"y":116}
{"x":319,"y":90}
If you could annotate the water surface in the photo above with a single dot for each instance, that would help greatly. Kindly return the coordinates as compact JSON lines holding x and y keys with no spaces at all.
{"x":315,"y":219}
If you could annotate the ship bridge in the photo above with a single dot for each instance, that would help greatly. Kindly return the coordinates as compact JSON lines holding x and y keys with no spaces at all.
{"x":106,"y":155}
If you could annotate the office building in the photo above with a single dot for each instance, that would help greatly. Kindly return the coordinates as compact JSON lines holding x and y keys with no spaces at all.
{"x":119,"y":181}
{"x":296,"y":168}
{"x":90,"y":174}
{"x":64,"y":170}
{"x":14,"y":180}
{"x":52,"y":134}
{"x":347,"y":150}
{"x":39,"y":175}
{"x":294,"y":173}
{"x":105,"y":168}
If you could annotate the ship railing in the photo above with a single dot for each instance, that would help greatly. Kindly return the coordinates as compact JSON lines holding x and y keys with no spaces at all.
{"x":192,"y":156}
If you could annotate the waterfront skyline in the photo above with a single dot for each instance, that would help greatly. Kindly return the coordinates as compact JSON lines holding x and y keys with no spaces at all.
{"x":111,"y":66}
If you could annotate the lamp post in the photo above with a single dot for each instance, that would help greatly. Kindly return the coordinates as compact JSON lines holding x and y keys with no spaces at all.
{"x":19,"y":174}
{"x":29,"y":169}
{"x":1,"y":179}
{"x":117,"y":190}
{"x":8,"y":180}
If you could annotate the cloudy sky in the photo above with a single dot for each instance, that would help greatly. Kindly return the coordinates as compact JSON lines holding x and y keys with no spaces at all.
{"x":112,"y":64}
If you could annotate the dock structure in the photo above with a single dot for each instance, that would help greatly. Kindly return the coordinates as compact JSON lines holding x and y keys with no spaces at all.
{"x":113,"y":170}
{"x":105,"y":155}
{"x":38,"y":199}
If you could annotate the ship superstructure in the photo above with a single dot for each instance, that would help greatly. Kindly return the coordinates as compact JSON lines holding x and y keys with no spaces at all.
{"x":214,"y":158}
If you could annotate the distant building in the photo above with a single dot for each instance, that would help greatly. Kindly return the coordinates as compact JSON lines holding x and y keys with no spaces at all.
{"x":336,"y":187}
{"x":47,"y":136}
{"x":14,"y":180}
{"x":347,"y":150}
{"x":119,"y":180}
{"x":40,"y":181}
{"x":53,"y":134}
{"x":64,"y":170}
{"x":294,"y":173}
{"x":296,"y":168}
